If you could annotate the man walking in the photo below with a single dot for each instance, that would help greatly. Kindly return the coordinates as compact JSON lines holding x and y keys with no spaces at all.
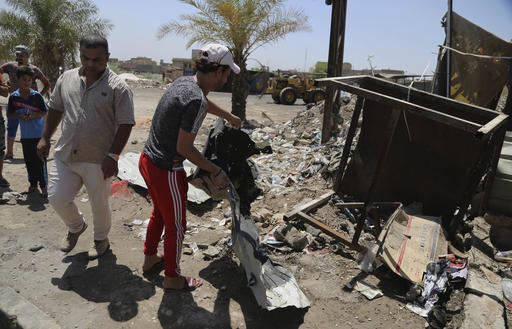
{"x":3,"y":92}
{"x":22,"y":56}
{"x":176,"y":121}
{"x":96,"y":110}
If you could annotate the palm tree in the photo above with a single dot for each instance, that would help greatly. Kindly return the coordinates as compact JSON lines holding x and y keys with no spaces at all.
{"x":51,"y":28}
{"x":243,"y":26}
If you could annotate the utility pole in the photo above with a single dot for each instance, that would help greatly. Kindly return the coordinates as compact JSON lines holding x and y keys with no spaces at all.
{"x":335,"y":62}
{"x":448,"y":44}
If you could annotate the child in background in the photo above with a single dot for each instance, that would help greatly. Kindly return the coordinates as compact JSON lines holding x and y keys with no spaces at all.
{"x":29,"y":107}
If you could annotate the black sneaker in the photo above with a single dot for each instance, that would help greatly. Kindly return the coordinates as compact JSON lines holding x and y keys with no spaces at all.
{"x":4,"y":182}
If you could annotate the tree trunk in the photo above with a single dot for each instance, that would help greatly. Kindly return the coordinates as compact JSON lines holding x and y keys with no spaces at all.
{"x":240,"y":89}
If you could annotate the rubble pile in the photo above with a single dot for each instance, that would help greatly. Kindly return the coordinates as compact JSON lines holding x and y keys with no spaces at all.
{"x":145,"y":83}
{"x":134,"y":81}
{"x":298,"y":153}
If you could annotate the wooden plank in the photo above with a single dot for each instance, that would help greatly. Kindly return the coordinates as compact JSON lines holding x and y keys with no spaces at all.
{"x":419,"y":110}
{"x":493,"y":125}
{"x":376,"y":205}
{"x":347,"y":79}
{"x":310,"y":205}
{"x":348,"y":143}
{"x":329,"y":231}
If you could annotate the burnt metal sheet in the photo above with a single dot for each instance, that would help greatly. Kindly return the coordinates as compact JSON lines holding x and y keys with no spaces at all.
{"x":273,"y":285}
{"x":438,"y":153}
{"x":476,"y":80}
{"x":427,"y":161}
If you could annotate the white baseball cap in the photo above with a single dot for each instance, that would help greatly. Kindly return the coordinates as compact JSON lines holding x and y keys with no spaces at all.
{"x":216,"y":53}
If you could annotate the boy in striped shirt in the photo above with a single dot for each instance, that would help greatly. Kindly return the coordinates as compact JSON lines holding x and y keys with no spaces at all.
{"x":29,"y":107}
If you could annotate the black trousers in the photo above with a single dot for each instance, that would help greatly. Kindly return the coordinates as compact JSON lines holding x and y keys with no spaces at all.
{"x":36,"y":168}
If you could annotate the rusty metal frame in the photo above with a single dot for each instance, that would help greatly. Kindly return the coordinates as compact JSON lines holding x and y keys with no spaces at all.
{"x":301,"y":212}
{"x":487,"y":123}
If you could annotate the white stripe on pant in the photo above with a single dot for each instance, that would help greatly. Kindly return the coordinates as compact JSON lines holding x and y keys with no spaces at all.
{"x":65,"y":181}
{"x":180,"y":233}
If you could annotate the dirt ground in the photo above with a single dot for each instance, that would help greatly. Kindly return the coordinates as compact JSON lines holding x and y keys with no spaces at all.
{"x":112,"y":293}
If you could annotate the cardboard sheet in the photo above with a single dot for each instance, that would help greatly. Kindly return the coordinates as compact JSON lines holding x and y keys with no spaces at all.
{"x":412,"y":242}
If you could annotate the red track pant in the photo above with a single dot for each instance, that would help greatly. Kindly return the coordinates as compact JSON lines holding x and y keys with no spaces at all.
{"x":168,"y":190}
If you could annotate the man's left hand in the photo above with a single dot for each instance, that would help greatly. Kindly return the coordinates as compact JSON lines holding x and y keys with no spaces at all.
{"x":235,"y":121}
{"x":109,"y":167}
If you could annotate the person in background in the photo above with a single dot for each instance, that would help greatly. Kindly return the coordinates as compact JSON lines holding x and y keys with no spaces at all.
{"x":3,"y":92}
{"x":22,"y":57}
{"x":28,"y":106}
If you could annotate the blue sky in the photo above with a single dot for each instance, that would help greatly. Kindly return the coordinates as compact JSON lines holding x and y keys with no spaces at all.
{"x":399,"y":34}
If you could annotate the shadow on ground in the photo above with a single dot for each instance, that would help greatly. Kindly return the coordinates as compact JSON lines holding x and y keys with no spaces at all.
{"x":106,"y":282}
{"x":178,"y":309}
{"x":229,"y":279}
{"x":34,"y":200}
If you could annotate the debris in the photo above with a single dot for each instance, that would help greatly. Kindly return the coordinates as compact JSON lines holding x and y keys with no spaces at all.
{"x":504,"y":256}
{"x":368,"y":263}
{"x":413,"y":293}
{"x":211,"y":252}
{"x":137,"y":222}
{"x":368,"y":290}
{"x":262,"y":214}
{"x":434,"y":283}
{"x":11,"y":197}
{"x":36,"y":248}
{"x":298,"y":240}
{"x":194,"y":247}
{"x":412,"y":242}
{"x":120,"y":189}
{"x":273,"y":286}
{"x":506,"y":286}
{"x":205,"y":238}
{"x":230,"y":149}
{"x":436,"y":318}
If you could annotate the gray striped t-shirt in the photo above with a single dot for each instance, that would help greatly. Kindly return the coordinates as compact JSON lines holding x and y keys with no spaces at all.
{"x":183,"y":106}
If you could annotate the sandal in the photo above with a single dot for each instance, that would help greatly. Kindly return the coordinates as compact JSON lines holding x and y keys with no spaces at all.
{"x":190,"y":284}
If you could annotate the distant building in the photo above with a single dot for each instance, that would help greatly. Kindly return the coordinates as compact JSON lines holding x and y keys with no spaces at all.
{"x":140,"y":64}
{"x":182,"y":63}
{"x":196,"y":53}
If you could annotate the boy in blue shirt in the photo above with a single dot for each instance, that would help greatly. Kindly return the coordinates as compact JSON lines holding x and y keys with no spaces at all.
{"x":29,"y":107}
